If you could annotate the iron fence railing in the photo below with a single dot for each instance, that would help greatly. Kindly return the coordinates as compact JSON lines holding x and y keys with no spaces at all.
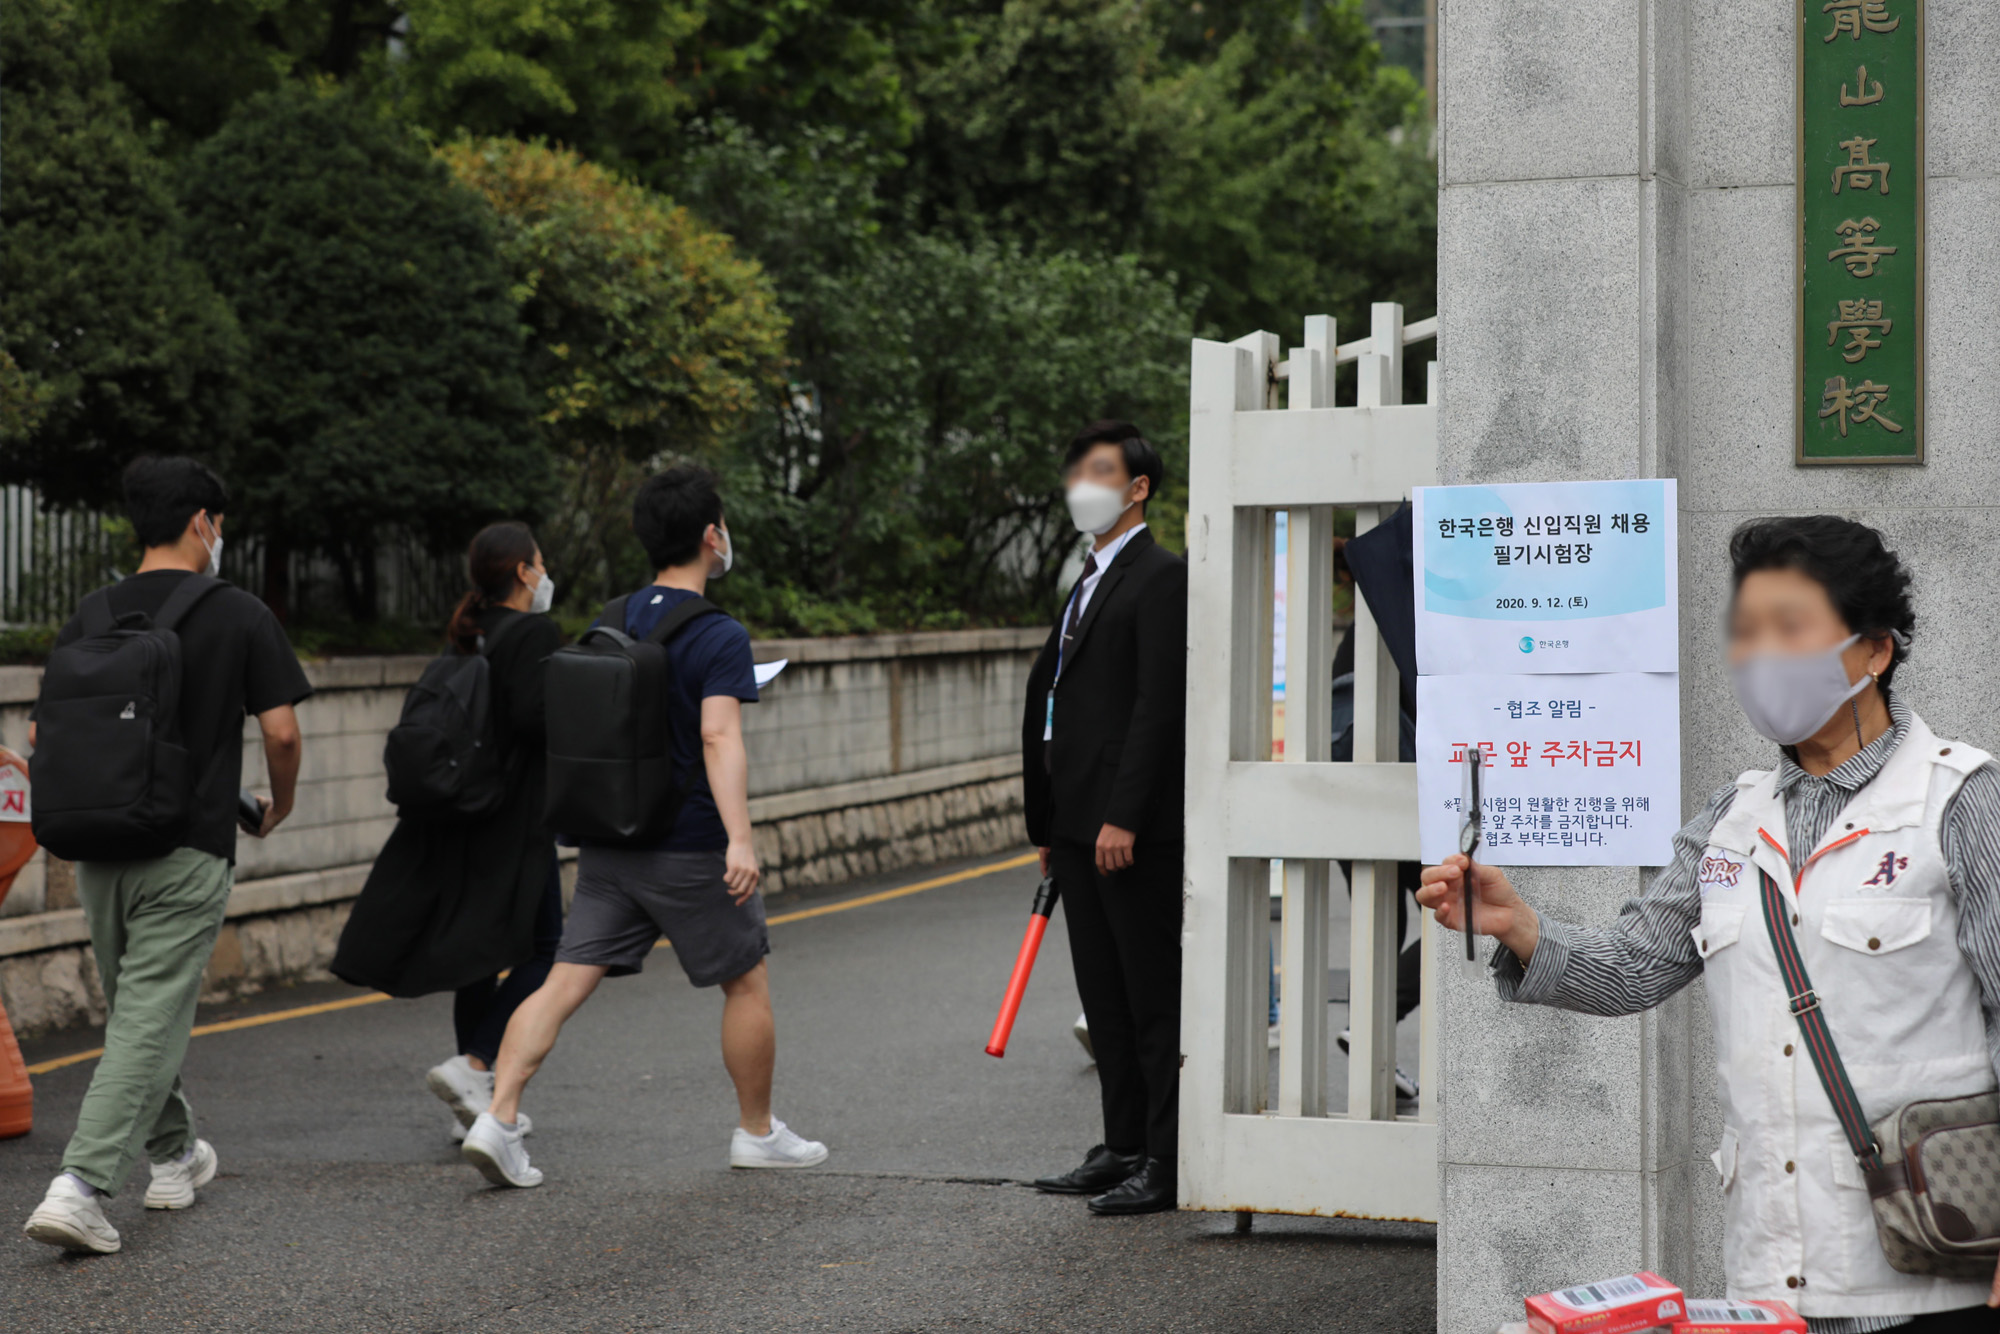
{"x":50,"y":558}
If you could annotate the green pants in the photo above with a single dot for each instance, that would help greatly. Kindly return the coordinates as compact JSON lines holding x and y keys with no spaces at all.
{"x":152,"y":926}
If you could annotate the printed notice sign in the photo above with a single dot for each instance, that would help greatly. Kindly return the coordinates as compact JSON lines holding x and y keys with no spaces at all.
{"x":1547,"y":577}
{"x":13,"y":795}
{"x":1580,"y":770}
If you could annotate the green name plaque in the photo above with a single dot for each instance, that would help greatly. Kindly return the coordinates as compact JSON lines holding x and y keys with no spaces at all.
{"x":1861,"y":231}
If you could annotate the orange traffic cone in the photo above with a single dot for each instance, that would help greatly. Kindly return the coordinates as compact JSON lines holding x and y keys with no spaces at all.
{"x":17,"y":1095}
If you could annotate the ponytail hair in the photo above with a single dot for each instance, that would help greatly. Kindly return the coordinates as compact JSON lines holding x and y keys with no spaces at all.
{"x":492,"y":565}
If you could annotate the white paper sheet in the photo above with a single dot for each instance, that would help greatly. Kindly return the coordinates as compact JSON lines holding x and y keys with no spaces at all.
{"x":1547,"y":577}
{"x":767,"y":672}
{"x":1585,"y":770}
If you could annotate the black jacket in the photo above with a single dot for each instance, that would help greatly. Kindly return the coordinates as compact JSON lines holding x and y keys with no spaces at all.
{"x":449,"y":903}
{"x":1120,"y":747}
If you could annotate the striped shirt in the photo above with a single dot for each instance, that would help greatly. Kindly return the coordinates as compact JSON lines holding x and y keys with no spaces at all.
{"x":1648,"y":954}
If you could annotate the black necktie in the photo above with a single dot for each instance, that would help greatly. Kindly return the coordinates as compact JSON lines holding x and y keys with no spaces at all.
{"x":1068,"y":641}
{"x":1076,"y":603}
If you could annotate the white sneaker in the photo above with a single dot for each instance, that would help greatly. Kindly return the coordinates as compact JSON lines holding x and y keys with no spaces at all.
{"x":780,"y":1148}
{"x":498,"y":1154}
{"x":467,"y":1091}
{"x":1082,"y":1031}
{"x":525,"y":1122}
{"x":72,"y":1220}
{"x":174,"y":1184}
{"x":1406,"y":1087}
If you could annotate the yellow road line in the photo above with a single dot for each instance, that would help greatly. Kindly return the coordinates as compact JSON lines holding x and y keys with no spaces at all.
{"x":904,"y":891}
{"x":328,"y":1007}
{"x":225,"y":1026}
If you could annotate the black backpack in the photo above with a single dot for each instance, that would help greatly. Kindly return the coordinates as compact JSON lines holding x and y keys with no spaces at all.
{"x":611,"y":755}
{"x":444,"y":757}
{"x":111,"y":779}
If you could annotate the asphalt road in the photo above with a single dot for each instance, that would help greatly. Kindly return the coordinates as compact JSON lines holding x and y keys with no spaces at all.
{"x":342,"y":1205}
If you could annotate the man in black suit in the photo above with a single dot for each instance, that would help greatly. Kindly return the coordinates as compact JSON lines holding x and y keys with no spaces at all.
{"x":1103,"y":745}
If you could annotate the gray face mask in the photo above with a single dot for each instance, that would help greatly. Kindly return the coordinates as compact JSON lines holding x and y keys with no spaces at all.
{"x":1788,"y":697}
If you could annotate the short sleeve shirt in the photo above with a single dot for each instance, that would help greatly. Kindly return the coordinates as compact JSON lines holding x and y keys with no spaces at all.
{"x":710,"y":657}
{"x":235,"y":660}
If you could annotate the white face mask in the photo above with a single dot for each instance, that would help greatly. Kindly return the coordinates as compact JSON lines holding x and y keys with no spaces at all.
{"x":214,"y":550}
{"x":1095,"y":507}
{"x":728,"y":551}
{"x":544,"y":595}
{"x":1788,"y":697}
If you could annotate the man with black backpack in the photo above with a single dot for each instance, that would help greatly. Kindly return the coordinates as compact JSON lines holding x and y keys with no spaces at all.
{"x":648,"y":772}
{"x":138,"y":738}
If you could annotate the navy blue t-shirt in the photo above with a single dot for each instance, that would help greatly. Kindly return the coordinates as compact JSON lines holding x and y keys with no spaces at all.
{"x":710,"y":656}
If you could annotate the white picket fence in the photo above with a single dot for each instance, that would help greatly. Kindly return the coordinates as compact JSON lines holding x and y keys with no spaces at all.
{"x":1249,"y":459}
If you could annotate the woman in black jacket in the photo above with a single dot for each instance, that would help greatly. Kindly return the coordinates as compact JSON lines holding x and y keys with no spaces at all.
{"x":450,"y":905}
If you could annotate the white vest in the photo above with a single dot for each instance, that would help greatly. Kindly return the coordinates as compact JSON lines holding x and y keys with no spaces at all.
{"x":1878,"y":929}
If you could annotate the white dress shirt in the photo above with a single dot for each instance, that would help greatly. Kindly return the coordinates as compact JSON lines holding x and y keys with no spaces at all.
{"x":1104,"y":559}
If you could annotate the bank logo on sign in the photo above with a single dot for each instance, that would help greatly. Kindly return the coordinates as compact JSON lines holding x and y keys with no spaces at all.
{"x":1527,"y":643}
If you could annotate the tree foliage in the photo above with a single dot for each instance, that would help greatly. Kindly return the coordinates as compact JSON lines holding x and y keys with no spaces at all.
{"x":600,"y":75}
{"x":112,"y":342}
{"x":933,"y":237}
{"x":650,"y":335}
{"x":385,"y":382}
{"x":908,"y":474}
{"x":188,"y":64}
{"x":1252,"y":150}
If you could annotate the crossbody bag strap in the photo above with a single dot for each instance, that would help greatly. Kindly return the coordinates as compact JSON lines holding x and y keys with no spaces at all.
{"x":1805,"y":1007}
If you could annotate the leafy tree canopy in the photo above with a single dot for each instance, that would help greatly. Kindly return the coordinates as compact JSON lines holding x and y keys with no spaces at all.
{"x":1247,"y":149}
{"x":112,"y":341}
{"x":650,"y":334}
{"x":189,"y":63}
{"x":385,"y":350}
{"x":909,"y":473}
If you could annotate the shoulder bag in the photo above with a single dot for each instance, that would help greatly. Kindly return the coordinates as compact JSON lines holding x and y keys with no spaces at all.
{"x":1932,"y":1166}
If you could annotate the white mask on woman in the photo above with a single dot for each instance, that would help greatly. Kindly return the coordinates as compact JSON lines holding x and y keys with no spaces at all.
{"x":544,"y":595}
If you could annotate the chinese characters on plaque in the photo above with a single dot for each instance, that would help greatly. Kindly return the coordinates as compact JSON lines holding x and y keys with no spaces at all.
{"x":1861,"y":219}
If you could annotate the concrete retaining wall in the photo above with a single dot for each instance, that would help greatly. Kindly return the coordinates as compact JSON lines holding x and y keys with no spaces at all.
{"x":869,"y":754}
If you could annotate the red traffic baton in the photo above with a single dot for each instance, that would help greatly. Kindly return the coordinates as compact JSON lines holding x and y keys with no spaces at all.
{"x":1024,"y":966}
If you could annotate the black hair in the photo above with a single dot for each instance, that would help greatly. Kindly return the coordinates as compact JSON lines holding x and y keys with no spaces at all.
{"x":672,"y":513}
{"x":493,"y":566}
{"x":1141,"y":459}
{"x":162,"y":494}
{"x":1866,"y":583}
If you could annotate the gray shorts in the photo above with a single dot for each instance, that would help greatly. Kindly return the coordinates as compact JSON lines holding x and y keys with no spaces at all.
{"x":627,"y":898}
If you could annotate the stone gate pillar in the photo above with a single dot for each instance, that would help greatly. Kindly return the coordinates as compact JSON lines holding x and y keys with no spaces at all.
{"x":1617,"y":287}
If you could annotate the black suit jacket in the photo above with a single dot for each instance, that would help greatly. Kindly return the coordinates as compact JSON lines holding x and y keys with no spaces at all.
{"x":1120,"y":744}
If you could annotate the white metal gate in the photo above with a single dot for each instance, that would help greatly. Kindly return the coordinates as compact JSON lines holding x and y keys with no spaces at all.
{"x":1249,"y":459}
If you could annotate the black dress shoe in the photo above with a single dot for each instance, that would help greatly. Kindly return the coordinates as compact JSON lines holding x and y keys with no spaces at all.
{"x":1102,"y":1169}
{"x":1150,"y":1190}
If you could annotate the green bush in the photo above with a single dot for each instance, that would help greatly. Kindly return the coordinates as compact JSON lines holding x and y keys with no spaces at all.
{"x":386,"y":347}
{"x":112,"y":341}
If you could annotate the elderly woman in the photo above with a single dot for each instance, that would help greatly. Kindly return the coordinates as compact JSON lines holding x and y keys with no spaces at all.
{"x":1885,"y":843}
